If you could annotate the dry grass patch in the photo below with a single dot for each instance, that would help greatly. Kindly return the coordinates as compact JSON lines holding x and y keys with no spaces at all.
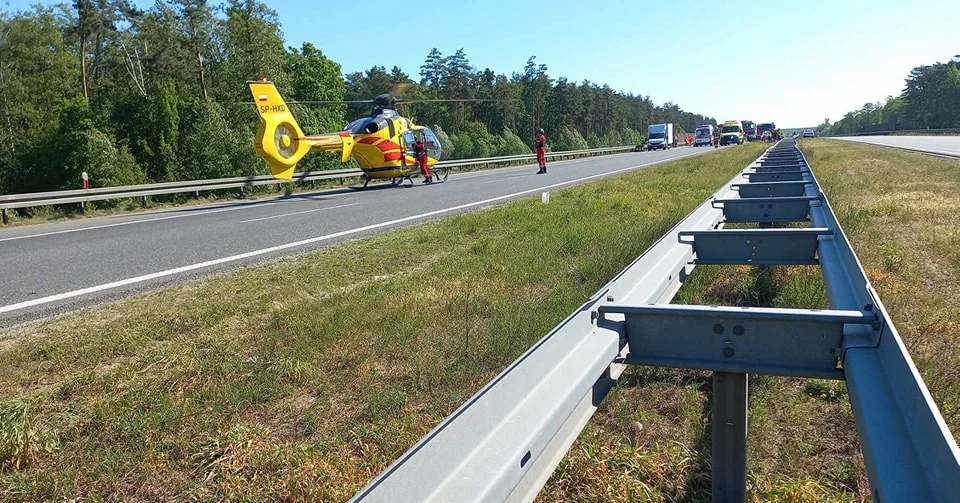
{"x":303,"y":378}
{"x":900,"y":211}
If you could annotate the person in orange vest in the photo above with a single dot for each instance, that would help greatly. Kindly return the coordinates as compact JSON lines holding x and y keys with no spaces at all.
{"x":421,"y":152}
{"x":541,"y":144}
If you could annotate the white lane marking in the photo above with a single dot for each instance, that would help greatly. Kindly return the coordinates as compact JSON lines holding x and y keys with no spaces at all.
{"x":241,"y":256}
{"x":486,"y":172}
{"x":297,"y":213}
{"x":170,"y":217}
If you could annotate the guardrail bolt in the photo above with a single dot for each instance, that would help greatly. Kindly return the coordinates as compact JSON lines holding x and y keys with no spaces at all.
{"x":738,"y":330}
{"x":868,"y":307}
{"x":609,"y":298}
{"x":718,"y":329}
{"x":728,"y":352}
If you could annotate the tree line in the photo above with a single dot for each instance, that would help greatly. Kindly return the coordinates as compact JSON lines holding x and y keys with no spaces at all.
{"x":134,"y":95}
{"x":930,"y":100}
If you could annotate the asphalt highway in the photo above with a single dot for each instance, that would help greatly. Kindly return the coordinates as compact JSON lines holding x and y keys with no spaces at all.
{"x":55,"y":267}
{"x":948,"y":146}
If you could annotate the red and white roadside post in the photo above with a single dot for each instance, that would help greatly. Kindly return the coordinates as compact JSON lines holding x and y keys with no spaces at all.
{"x":86,"y":186}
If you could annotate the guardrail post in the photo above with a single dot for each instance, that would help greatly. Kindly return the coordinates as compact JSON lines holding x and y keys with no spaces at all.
{"x":143,"y":202}
{"x":83,"y":207}
{"x":5,"y":219}
{"x":242,"y":192}
{"x":729,"y":437}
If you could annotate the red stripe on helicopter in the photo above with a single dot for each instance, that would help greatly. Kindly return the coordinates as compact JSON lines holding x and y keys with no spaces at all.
{"x":383,"y":144}
{"x":392,"y":156}
{"x":387,"y":146}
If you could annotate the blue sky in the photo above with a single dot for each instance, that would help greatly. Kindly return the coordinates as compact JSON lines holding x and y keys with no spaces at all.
{"x":793,"y":62}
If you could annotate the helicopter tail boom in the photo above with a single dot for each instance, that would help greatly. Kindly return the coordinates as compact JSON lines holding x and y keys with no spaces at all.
{"x":280,"y":140}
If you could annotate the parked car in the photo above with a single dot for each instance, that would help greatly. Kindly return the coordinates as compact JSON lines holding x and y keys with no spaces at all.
{"x":809,"y":133}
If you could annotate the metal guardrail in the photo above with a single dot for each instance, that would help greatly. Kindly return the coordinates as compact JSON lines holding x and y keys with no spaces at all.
{"x":506,"y":440}
{"x":919,"y":150}
{"x":902,"y":131}
{"x":12,"y":201}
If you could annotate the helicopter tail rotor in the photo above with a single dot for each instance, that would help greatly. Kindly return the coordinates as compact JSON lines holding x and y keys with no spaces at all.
{"x":279,"y":139}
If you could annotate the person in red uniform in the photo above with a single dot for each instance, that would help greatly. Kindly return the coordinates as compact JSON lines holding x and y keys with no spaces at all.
{"x":421,"y":153}
{"x":541,"y":144}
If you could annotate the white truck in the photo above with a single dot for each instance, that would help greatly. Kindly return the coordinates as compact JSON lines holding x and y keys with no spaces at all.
{"x":703,"y":135}
{"x":660,"y":136}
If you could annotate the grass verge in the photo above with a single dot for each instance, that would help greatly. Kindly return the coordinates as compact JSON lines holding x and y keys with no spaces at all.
{"x":303,"y":378}
{"x":650,"y":441}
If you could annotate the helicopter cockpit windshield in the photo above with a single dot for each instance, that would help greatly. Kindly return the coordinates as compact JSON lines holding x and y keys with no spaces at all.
{"x":431,"y":143}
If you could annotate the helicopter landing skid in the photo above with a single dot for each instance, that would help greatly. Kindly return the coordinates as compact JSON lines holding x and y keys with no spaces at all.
{"x":439,"y":175}
{"x":394,"y":182}
{"x":436,"y":176}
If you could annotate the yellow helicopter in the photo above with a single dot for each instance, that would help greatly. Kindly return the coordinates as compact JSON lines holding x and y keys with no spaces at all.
{"x":382,"y":143}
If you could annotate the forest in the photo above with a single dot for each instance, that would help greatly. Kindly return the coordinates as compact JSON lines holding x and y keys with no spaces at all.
{"x":930,"y":100}
{"x":134,"y":95}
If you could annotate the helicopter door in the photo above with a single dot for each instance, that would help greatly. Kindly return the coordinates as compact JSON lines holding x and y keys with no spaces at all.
{"x":431,"y":143}
{"x":408,"y":143}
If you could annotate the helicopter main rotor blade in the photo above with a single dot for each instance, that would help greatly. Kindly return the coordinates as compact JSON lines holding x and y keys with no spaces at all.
{"x":332,"y":102}
{"x":462,"y":100}
{"x":349,"y":102}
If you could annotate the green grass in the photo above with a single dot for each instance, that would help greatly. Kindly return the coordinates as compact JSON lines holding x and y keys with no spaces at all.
{"x":303,"y":378}
{"x":899,"y":210}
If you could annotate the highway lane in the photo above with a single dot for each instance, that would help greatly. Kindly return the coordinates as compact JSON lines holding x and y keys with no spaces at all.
{"x":50,"y":268}
{"x":941,"y":145}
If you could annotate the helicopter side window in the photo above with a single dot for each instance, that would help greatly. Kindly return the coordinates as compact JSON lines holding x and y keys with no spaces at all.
{"x":431,"y":143}
{"x":408,"y":142}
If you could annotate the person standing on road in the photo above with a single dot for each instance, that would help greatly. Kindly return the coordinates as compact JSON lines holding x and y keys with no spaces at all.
{"x":541,"y":144}
{"x":421,"y":152}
